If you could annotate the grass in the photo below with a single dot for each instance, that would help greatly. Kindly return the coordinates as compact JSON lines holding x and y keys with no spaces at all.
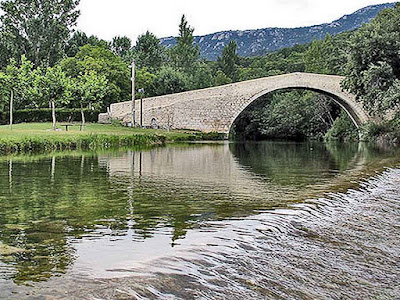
{"x":36,"y":137}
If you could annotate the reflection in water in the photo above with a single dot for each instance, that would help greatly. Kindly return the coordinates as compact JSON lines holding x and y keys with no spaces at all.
{"x":118,"y":214}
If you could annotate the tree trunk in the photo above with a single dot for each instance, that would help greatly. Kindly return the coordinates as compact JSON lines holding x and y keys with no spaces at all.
{"x":53,"y":113}
{"x":83,"y":118}
{"x":11,"y":108}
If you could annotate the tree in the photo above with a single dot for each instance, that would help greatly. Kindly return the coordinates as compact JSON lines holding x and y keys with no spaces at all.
{"x":18,"y":88}
{"x":102,"y":61}
{"x":38,"y":29}
{"x":169,"y":81}
{"x":202,"y":76}
{"x":145,"y":80}
{"x":121,"y":45}
{"x":149,"y":53}
{"x":184,"y":54}
{"x":87,"y":88}
{"x":316,"y":56}
{"x":6,"y":50}
{"x":80,"y":39}
{"x":6,"y":93}
{"x":53,"y":86}
{"x":221,"y":78}
{"x":227,"y":63}
{"x":373,"y":72}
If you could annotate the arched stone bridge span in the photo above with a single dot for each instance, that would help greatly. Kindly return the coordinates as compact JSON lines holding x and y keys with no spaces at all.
{"x":216,"y":109}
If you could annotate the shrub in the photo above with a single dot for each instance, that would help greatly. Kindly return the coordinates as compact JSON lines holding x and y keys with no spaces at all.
{"x":44,"y":115}
{"x":343,"y":130}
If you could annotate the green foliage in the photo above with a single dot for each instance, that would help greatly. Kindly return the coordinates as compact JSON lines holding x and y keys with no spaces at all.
{"x":101,"y":61}
{"x":227,"y":63}
{"x":149,"y":53}
{"x":52,"y":85}
{"x":342,"y":130}
{"x":37,"y":28}
{"x":328,"y":56}
{"x":144,"y":80}
{"x":44,"y":115}
{"x":21,"y":80}
{"x":201,"y":76}
{"x":80,"y":39}
{"x":94,"y":73}
{"x":295,"y":115}
{"x":184,"y":54}
{"x":221,"y":78}
{"x":316,"y":56}
{"x":169,"y":81}
{"x":384,"y":132}
{"x":87,"y":88}
{"x":373,"y":72}
{"x":34,"y":137}
{"x":121,"y":45}
{"x":81,"y":142}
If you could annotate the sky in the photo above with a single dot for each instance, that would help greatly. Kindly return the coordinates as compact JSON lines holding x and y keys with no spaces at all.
{"x":109,"y":18}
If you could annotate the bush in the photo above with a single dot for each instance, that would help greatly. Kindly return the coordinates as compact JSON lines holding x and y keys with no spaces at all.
{"x":44,"y":115}
{"x":385,"y":132}
{"x":343,"y":130}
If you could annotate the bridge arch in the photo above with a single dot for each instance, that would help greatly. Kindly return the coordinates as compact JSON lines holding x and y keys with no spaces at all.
{"x":330,"y":86}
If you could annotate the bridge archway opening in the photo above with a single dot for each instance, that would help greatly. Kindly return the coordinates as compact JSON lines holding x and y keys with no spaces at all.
{"x":257,"y":114}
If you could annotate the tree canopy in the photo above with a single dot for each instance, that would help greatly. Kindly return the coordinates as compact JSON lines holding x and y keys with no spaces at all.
{"x":185,"y":53}
{"x":38,"y":29}
{"x":373,"y":72}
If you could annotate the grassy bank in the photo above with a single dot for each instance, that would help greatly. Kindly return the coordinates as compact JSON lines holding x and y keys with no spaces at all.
{"x":37,"y":137}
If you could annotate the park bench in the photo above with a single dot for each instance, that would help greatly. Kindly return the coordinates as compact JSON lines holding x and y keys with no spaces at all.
{"x":69,"y":125}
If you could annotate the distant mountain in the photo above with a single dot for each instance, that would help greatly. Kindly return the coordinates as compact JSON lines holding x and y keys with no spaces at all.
{"x":261,"y":41}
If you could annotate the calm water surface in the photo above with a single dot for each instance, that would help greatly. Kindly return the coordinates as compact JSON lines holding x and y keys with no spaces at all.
{"x":270,"y":220}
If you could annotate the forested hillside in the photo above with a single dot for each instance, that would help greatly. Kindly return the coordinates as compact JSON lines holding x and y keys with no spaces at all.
{"x":261,"y":41}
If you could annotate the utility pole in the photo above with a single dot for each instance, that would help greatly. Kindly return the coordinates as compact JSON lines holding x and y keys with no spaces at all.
{"x":133,"y":95}
{"x":141,"y":91}
{"x":11,"y":108}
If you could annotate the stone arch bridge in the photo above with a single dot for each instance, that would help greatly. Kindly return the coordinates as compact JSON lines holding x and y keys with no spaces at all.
{"x":216,"y":109}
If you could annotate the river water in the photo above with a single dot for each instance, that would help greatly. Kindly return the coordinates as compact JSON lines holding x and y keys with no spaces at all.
{"x":268,"y":220}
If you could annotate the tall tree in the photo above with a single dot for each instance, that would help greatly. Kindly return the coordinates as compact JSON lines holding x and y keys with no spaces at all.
{"x":374,"y":65}
{"x":38,"y":29}
{"x":80,"y":39}
{"x":185,"y":53}
{"x":149,"y":53}
{"x":121,"y":45}
{"x":316,"y":57}
{"x":227,"y":63}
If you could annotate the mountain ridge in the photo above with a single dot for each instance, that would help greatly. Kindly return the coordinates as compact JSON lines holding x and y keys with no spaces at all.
{"x":254,"y":42}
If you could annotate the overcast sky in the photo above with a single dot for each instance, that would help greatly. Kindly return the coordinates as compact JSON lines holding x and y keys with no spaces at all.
{"x":109,"y":18}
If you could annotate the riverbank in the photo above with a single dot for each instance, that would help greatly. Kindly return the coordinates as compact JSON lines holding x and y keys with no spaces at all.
{"x":38,"y":137}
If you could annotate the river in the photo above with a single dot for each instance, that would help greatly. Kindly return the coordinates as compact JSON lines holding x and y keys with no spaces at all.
{"x":267,"y":220}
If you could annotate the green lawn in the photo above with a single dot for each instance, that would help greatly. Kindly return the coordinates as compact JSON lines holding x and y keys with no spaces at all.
{"x":44,"y":129}
{"x":39,"y":137}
